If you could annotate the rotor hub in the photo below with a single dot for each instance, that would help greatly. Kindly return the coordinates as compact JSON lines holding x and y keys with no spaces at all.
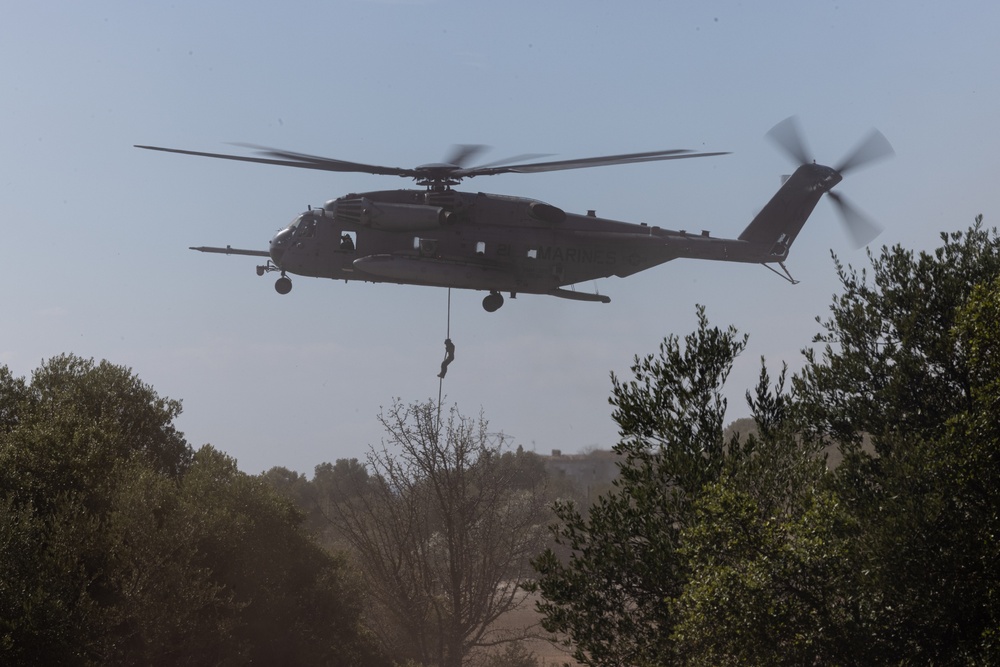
{"x":827,"y":177}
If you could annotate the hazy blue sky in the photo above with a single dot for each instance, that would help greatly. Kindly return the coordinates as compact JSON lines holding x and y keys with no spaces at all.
{"x":96,"y":232}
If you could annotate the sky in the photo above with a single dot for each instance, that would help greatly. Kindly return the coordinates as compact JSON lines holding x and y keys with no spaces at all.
{"x":96,"y":232}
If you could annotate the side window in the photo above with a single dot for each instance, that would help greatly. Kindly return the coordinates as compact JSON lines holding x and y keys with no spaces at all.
{"x":347,"y":241}
{"x":428,"y":247}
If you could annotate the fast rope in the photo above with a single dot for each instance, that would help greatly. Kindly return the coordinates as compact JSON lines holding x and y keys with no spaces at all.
{"x":449,"y":356}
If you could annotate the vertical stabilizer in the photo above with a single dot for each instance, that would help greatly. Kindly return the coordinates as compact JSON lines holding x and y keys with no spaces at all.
{"x":780,"y":221}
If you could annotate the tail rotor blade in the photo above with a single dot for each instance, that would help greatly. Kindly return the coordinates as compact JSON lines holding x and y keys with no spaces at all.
{"x":861,"y":229}
{"x":874,"y":147}
{"x":787,"y":136}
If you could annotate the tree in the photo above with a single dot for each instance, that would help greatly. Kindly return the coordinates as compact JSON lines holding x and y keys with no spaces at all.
{"x":764,"y":590}
{"x":769,"y":578}
{"x":975,"y":465}
{"x":751,"y":551}
{"x":332,"y":483}
{"x":977,"y":331}
{"x":889,"y":366}
{"x":70,"y":440}
{"x":442,"y":532}
{"x":288,"y":600}
{"x":119,"y":545}
{"x":614,"y":597}
{"x":908,"y":362}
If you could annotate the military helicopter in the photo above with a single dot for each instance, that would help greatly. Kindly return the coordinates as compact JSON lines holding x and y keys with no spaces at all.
{"x":442,"y":237}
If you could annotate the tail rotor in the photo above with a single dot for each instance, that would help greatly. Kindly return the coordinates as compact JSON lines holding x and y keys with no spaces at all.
{"x":873,"y":148}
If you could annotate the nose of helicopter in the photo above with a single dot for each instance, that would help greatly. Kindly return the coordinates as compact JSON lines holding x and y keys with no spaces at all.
{"x":276,"y":250}
{"x":279,"y":243}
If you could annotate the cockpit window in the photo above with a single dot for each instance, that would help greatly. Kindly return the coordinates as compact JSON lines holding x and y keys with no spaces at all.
{"x":307,"y":227}
{"x":285,"y":235}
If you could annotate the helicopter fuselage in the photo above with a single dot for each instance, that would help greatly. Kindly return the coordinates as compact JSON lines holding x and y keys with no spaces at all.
{"x":482,"y":241}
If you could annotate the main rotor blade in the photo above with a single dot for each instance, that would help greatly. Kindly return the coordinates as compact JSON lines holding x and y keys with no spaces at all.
{"x":463,"y":153}
{"x":460,"y":154}
{"x":285,"y":158}
{"x":872,"y":148}
{"x":513,"y":158}
{"x":787,"y":136}
{"x":583,"y":163}
{"x":307,"y":161}
{"x":298,"y":160}
{"x":861,"y":228}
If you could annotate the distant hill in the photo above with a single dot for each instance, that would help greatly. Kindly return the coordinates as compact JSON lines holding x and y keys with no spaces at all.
{"x":592,"y":471}
{"x":742,"y":427}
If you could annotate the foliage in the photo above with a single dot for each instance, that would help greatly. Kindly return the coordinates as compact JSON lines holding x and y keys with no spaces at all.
{"x":910,"y":360}
{"x":977,"y":330}
{"x":769,"y":575}
{"x":513,"y":655}
{"x":442,"y":532}
{"x":763,"y":590}
{"x":889,"y":367}
{"x":614,"y":597}
{"x":119,"y":544}
{"x":332,"y":483}
{"x":77,"y":421}
{"x":974,"y":467}
{"x":290,"y":601}
{"x":751,"y":551}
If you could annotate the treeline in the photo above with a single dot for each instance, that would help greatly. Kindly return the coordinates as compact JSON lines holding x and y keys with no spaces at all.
{"x":441,"y":522}
{"x":753,"y":551}
{"x":119,"y":543}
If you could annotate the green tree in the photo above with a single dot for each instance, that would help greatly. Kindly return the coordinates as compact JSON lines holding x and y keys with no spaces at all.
{"x":975,"y":465}
{"x":288,"y":600}
{"x":977,"y":331}
{"x":614,"y":598}
{"x":119,"y":545}
{"x":769,"y":578}
{"x":69,"y":440}
{"x":889,"y":366}
{"x":765,"y":590}
{"x":904,"y":364}
{"x":751,"y":551}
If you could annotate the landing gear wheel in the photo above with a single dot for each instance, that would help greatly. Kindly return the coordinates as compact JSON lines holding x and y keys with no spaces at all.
{"x":492,"y":302}
{"x":283,"y":285}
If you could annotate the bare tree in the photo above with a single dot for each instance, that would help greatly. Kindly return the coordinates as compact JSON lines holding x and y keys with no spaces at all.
{"x":443,"y":532}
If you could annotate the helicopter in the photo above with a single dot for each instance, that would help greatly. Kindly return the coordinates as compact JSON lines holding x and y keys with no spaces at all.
{"x":443,"y":237}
